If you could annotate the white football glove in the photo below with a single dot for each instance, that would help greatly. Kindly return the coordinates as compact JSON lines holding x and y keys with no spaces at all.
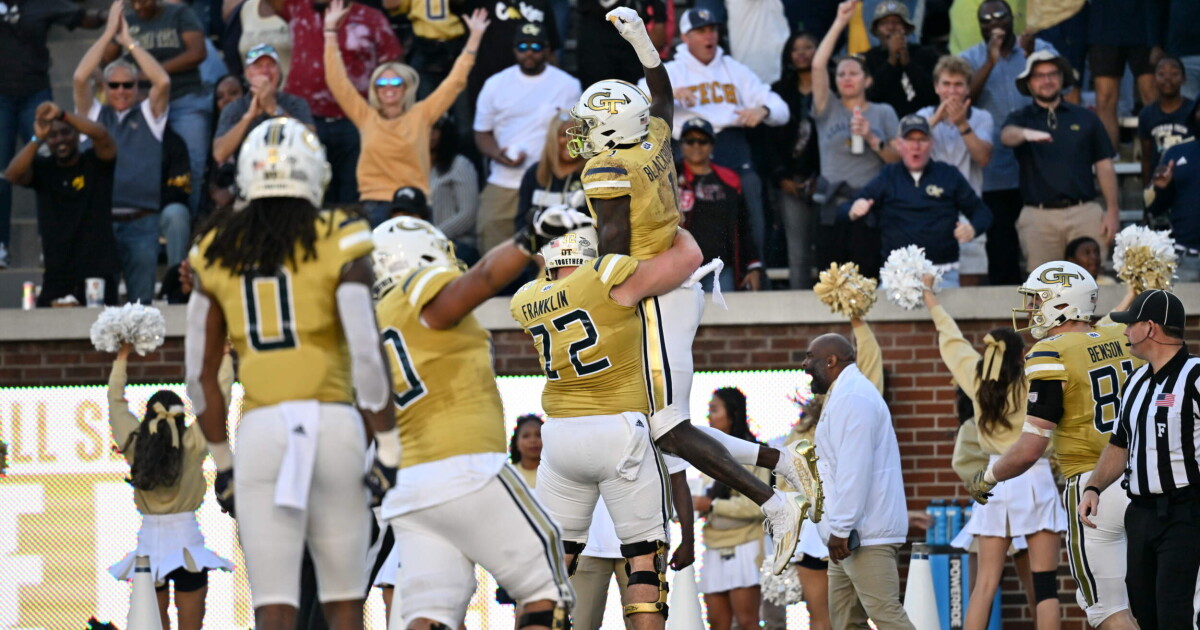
{"x":630,"y":25}
{"x":557,"y":220}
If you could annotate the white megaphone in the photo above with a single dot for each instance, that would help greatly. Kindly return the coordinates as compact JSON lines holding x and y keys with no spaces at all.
{"x":920,"y":602}
{"x":143,"y":602}
{"x":684,"y":602}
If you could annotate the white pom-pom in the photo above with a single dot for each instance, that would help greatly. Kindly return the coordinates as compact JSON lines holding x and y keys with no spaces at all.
{"x":143,"y":326}
{"x":901,"y":275}
{"x":107,"y":330}
{"x":781,"y":590}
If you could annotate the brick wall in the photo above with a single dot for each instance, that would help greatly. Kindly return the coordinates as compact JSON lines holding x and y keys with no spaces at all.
{"x":918,"y":392}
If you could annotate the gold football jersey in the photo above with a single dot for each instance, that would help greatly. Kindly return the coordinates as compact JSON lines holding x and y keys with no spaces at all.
{"x":591,"y":346}
{"x":285,"y":327}
{"x":644,"y":172}
{"x":1093,"y":367}
{"x":443,"y":383}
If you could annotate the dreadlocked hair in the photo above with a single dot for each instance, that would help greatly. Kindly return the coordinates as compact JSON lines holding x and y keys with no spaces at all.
{"x":264,"y":236}
{"x":157,"y":461}
{"x":1002,"y":396}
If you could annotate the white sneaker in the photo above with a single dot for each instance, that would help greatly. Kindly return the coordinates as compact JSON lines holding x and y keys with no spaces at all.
{"x":3,"y":256}
{"x":798,"y":466}
{"x":784,"y":525}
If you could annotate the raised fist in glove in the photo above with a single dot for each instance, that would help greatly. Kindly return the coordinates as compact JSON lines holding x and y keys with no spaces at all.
{"x":223,"y":488}
{"x":980,"y":488}
{"x":546,"y":224}
{"x":379,"y":480}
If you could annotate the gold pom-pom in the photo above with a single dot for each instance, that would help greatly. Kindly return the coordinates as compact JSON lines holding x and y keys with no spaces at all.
{"x":844,"y":290}
{"x":1144,"y":269}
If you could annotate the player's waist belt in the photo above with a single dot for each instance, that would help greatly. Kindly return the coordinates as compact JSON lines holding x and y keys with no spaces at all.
{"x":1059,"y":204}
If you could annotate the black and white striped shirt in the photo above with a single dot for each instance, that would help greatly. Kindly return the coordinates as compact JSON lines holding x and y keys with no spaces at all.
{"x":1160,"y":425}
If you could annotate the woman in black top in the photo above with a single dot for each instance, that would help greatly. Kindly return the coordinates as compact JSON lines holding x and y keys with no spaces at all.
{"x":795,"y":160}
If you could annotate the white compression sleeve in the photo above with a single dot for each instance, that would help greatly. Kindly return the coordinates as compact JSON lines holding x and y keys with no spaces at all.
{"x":743,"y":452}
{"x":367,"y":370}
{"x":193,"y":349}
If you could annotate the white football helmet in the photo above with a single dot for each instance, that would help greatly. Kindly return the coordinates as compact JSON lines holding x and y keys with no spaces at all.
{"x":1054,"y":293}
{"x":610,"y":113}
{"x":282,"y":158}
{"x":573,"y":249}
{"x":403,"y":244}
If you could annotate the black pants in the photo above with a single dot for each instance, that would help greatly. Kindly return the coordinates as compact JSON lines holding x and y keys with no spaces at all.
{"x":1163,"y":559}
{"x":1003,"y":246}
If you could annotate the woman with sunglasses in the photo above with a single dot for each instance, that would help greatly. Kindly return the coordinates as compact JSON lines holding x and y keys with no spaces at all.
{"x":394,"y":126}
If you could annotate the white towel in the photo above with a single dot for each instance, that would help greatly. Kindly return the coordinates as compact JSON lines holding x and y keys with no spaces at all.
{"x":296,"y":470}
{"x":714,"y":266}
{"x":635,"y":448}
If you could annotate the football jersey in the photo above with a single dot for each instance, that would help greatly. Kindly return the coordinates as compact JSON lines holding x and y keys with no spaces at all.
{"x":443,"y":383}
{"x":591,"y":346}
{"x":645,"y":172}
{"x":285,"y":326}
{"x":1093,"y":367}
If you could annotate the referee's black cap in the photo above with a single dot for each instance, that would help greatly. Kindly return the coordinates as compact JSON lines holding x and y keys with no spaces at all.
{"x":1153,"y":305}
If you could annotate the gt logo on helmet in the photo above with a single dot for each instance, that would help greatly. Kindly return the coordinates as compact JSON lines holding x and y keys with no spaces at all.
{"x":1056,"y":275}
{"x":601,"y":103}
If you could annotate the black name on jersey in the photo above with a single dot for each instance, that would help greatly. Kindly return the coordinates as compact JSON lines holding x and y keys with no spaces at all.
{"x":660,"y":163}
{"x":537,"y":308}
{"x":1105,"y":351}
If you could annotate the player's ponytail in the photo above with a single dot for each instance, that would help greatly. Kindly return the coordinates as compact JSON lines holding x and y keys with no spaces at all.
{"x":1001,"y":372}
{"x":157,"y":444}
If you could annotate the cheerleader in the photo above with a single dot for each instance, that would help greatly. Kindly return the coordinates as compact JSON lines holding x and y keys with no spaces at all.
{"x":165,"y":455}
{"x":525,"y":447}
{"x":1027,"y":505}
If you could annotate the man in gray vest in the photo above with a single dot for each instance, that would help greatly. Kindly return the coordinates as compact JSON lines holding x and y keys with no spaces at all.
{"x":138,"y":131}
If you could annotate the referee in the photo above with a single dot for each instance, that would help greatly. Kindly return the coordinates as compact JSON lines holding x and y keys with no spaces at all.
{"x":1154,"y":446}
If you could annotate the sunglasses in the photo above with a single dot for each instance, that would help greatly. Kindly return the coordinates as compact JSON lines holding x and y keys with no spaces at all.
{"x":697,"y":141}
{"x":121,"y":85}
{"x":988,"y":17}
{"x":389,"y":82}
{"x":526,"y":46}
{"x":260,"y":51}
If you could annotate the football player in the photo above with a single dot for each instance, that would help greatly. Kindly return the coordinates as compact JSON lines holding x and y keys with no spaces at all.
{"x":457,"y":501}
{"x":290,"y":285}
{"x":1075,"y":371}
{"x":584,"y":321}
{"x":632,"y":192}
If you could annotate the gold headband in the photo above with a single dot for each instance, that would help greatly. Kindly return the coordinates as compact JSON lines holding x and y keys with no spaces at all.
{"x":993,"y":358}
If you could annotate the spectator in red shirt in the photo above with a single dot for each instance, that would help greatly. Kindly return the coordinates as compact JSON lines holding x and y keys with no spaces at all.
{"x":366,"y":40}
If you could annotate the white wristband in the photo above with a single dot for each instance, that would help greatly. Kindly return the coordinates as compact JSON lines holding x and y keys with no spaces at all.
{"x":1029,"y":427}
{"x":222,"y":456}
{"x":988,"y":476}
{"x":387,"y":447}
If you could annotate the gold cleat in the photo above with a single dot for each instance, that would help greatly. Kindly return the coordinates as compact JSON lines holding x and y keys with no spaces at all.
{"x":807,"y":480}
{"x":785,"y":529}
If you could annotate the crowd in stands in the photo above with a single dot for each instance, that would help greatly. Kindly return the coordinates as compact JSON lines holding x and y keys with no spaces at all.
{"x":807,"y":132}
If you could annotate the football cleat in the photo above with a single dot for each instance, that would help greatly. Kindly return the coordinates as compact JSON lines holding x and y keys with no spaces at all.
{"x":800,"y":471}
{"x":784,"y":526}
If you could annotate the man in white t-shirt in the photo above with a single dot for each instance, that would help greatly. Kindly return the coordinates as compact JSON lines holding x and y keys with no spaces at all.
{"x":511,"y":118}
{"x":758,"y":30}
{"x":962,"y":138}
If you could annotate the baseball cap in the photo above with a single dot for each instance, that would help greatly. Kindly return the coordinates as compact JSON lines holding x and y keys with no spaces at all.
{"x":697,"y":18}
{"x":697,"y":124}
{"x":259,"y":51}
{"x":530,"y":32}
{"x":913,"y":122}
{"x":1153,"y":305}
{"x":411,"y":201}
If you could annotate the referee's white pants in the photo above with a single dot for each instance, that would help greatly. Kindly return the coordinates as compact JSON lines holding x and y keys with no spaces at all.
{"x":670,"y":322}
{"x":336,"y":526}
{"x":581,"y":458}
{"x":1097,"y":556}
{"x":500,"y":526}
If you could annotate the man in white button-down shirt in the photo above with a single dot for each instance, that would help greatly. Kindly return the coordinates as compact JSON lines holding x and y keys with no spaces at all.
{"x":864,"y":491}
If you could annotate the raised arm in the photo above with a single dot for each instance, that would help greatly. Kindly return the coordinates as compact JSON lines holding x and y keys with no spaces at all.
{"x":443,"y":97}
{"x":497,"y":269}
{"x":102,"y":142}
{"x":160,"y":81}
{"x":82,"y":79}
{"x":344,"y":92}
{"x":820,"y":62}
{"x":123,"y":423}
{"x":663,"y":273}
{"x":662,"y":100}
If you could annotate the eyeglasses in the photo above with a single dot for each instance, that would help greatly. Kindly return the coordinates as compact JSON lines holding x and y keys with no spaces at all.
{"x":527,"y":46}
{"x":1045,"y":75}
{"x":997,"y":15}
{"x":121,"y":85}
{"x":389,"y":82}
{"x":697,"y":141}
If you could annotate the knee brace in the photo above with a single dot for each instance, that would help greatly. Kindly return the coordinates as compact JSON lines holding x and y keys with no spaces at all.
{"x":1045,"y":585}
{"x":556,"y":618}
{"x":573,"y":548}
{"x":657,"y":577}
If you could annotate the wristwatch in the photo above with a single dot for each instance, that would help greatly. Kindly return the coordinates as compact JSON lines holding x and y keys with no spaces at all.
{"x":36,"y":139}
{"x":966,"y":131}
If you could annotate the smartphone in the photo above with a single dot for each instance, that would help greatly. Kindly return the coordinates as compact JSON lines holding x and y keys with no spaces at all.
{"x":854,"y":542}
